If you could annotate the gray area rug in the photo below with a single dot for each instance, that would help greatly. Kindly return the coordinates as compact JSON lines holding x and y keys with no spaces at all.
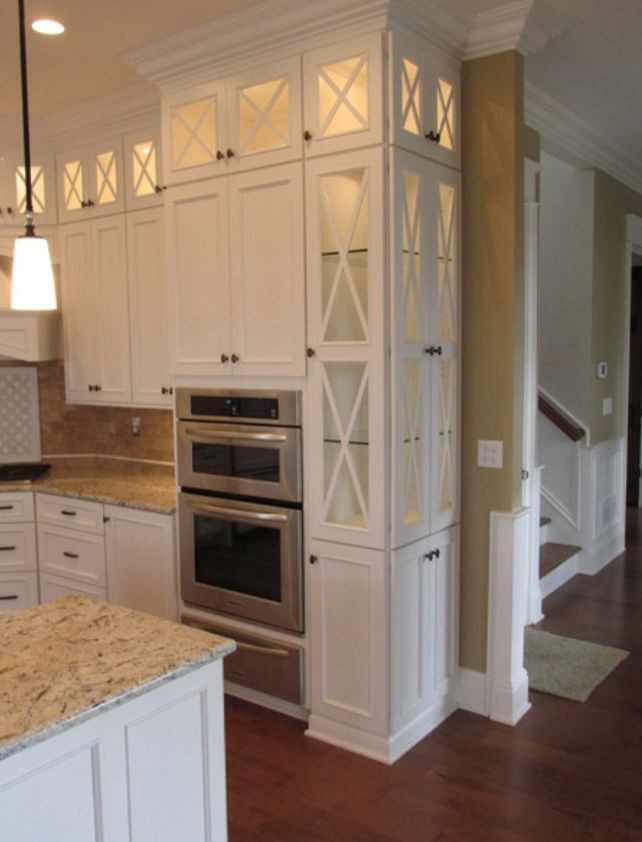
{"x":566,"y":667}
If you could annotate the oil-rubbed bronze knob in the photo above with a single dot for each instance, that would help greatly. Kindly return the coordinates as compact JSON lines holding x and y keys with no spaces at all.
{"x":224,"y":358}
{"x":310,"y":352}
{"x":98,"y":388}
{"x":433,"y":136}
{"x":219,"y":155}
{"x":230,"y":153}
{"x":313,"y":559}
{"x":235,"y":358}
{"x":307,"y":135}
{"x":432,"y":350}
{"x":164,"y":390}
{"x":90,"y":203}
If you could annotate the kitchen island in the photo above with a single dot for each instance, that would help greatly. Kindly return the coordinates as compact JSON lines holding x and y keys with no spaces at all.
{"x":111,"y":726}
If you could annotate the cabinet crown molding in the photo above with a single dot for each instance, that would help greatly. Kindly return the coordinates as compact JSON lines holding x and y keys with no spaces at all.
{"x":521,"y":25}
{"x":220,"y":45}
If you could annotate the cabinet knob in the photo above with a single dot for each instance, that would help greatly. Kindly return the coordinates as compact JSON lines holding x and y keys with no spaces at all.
{"x":98,"y":388}
{"x":106,"y":519}
{"x":224,"y":358}
{"x":10,"y":211}
{"x":219,"y":155}
{"x":310,"y":352}
{"x":90,"y":203}
{"x":230,"y":153}
{"x":313,"y":559}
{"x":307,"y":135}
{"x":432,"y":350}
{"x":171,"y":390}
{"x":160,"y":189}
{"x":431,"y":555}
{"x":433,"y":136}
{"x":164,"y":390}
{"x":235,"y":358}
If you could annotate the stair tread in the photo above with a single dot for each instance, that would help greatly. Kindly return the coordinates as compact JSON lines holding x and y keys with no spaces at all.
{"x":544,"y":521}
{"x":553,"y":555}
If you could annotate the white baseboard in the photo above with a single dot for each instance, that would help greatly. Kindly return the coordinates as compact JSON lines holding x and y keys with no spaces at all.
{"x":602,"y":553}
{"x":473,"y":691}
{"x":415,"y":731}
{"x":559,"y":576}
{"x":509,"y":701}
{"x":351,"y":739}
{"x":265,"y":701}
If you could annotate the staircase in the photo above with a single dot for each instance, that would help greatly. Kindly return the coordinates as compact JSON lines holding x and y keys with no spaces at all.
{"x":557,"y":562}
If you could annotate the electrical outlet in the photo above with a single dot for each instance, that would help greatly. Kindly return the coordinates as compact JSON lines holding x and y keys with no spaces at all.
{"x":490,"y":454}
{"x":136,"y":425}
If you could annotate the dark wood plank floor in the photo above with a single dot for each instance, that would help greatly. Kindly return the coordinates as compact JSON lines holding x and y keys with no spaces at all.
{"x":567,"y":771}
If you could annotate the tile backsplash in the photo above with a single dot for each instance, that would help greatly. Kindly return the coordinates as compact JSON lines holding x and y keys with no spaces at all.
{"x":73,"y":429}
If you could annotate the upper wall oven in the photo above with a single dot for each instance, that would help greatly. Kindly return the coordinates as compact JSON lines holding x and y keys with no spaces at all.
{"x":257,"y":455}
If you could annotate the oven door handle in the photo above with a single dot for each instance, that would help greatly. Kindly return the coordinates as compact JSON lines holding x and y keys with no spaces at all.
{"x":228,"y":435}
{"x":239,"y":513}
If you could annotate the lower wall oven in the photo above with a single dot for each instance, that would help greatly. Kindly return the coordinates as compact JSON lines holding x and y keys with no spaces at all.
{"x":242,"y":558}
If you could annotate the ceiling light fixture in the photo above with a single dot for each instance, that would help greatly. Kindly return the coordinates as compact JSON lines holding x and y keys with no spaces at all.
{"x":47,"y":26}
{"x":32,"y":283}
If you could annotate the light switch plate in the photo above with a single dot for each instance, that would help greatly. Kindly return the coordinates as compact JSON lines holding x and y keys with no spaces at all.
{"x":607,"y":406}
{"x":490,"y":454}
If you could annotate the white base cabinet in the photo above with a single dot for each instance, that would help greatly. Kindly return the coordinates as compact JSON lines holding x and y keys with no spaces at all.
{"x":149,"y":770}
{"x":141,"y":561}
{"x":18,"y":559}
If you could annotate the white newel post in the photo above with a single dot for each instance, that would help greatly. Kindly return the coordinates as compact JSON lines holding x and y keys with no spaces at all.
{"x":508,"y":579}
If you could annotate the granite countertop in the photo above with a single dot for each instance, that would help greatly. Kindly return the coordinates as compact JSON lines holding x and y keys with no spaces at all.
{"x":66,"y":661}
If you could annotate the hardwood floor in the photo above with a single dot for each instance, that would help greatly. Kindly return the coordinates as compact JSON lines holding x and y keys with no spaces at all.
{"x":566,"y":772}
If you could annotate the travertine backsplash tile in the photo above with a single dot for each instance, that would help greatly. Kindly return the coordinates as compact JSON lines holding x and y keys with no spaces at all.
{"x":69,"y":428}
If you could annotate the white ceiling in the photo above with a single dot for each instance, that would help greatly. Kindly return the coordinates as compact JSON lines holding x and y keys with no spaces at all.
{"x":593,"y":68}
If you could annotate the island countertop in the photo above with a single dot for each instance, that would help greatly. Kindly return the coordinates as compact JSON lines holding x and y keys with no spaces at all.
{"x":66,"y":661}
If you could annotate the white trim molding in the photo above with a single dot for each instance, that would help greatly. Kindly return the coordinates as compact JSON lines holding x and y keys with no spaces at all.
{"x":634,"y":232}
{"x":521,"y":25}
{"x":567,"y":136}
{"x":507,"y":681}
{"x":473,"y":691}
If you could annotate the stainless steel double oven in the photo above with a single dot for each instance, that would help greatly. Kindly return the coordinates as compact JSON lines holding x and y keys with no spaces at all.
{"x":240,"y":503}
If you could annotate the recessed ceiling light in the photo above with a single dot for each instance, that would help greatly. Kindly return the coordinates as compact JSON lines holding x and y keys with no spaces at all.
{"x":45,"y":26}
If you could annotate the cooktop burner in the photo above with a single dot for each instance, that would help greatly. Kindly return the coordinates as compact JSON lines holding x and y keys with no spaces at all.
{"x":23,"y":471}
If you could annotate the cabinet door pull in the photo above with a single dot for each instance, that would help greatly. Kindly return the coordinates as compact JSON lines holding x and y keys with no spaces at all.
{"x":8,"y":597}
{"x":433,"y":136}
{"x":310,"y":352}
{"x":90,"y":203}
{"x":6,"y":549}
{"x":432,"y":350}
{"x":307,"y":135}
{"x":98,"y":388}
{"x":164,"y":390}
{"x":235,"y":358}
{"x":6,"y":508}
{"x":313,"y":559}
{"x":219,"y":155}
{"x":106,"y":518}
{"x":68,"y":513}
{"x":224,"y":358}
{"x":230,"y":153}
{"x":70,"y":555}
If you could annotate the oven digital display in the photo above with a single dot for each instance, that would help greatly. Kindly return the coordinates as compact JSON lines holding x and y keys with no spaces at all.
{"x":220,"y":406}
{"x":240,"y":557}
{"x":256,"y":463}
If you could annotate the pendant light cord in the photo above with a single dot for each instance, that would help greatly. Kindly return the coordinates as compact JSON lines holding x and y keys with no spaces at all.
{"x":25,"y":121}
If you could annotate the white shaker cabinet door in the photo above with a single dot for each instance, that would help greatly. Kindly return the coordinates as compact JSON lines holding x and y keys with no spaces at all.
{"x":199,"y":280}
{"x":268,"y":271}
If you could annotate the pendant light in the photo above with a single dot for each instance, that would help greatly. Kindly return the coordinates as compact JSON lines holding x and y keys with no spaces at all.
{"x":32,"y":283}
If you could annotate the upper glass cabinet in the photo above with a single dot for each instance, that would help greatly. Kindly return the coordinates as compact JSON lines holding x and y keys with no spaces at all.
{"x":13,"y":189}
{"x":425,"y":101}
{"x":90,"y":181}
{"x":342,"y":95}
{"x":143,"y":179}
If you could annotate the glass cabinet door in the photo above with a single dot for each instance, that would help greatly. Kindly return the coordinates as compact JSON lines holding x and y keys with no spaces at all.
{"x":91,"y":181}
{"x":343,"y":96}
{"x":143,"y":180}
{"x":43,"y":192}
{"x":347,"y":412}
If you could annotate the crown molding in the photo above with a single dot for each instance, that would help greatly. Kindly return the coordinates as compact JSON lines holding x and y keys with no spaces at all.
{"x":114,"y":113}
{"x":276,"y":26}
{"x":521,"y":25}
{"x":568,"y":136}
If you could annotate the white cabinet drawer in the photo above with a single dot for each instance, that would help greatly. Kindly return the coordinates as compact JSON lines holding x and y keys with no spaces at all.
{"x":70,"y":513}
{"x":74,"y":555}
{"x":18,"y":590}
{"x":55,"y":587}
{"x":16,"y":507}
{"x":17,"y":547}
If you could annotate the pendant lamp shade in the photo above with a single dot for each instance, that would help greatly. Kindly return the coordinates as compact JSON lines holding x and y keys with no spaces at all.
{"x":32,"y":282}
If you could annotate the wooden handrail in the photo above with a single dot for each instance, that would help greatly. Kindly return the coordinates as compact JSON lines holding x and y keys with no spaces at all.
{"x":556,"y":416}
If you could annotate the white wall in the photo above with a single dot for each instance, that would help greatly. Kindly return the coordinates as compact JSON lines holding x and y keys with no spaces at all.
{"x":565,"y":310}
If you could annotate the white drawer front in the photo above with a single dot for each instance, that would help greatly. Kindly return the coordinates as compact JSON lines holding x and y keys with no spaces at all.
{"x":74,"y":555}
{"x":18,"y":590}
{"x":70,"y":513}
{"x":17,"y":547}
{"x":16,"y":507}
{"x":54,"y":587}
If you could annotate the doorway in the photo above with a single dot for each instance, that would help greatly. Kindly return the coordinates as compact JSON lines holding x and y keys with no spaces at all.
{"x":634,"y":428}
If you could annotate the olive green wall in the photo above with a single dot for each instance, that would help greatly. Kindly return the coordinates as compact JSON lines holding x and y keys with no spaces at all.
{"x":492,"y":319}
{"x":531,"y":144}
{"x":612,"y":202}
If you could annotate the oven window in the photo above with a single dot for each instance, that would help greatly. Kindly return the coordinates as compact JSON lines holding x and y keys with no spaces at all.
{"x":238,"y":556}
{"x":255,"y":463}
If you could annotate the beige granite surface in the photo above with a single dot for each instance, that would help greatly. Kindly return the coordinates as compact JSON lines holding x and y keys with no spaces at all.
{"x":120,"y":482}
{"x":65,"y":661}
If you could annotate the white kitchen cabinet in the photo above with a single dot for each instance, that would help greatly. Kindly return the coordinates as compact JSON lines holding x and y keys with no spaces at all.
{"x":95,"y":311}
{"x":18,"y":559}
{"x":142,"y":156}
{"x":72,"y":555}
{"x":342,"y":92}
{"x":13,"y":188}
{"x":148,"y":308}
{"x":424,"y":630}
{"x":90,"y":180}
{"x":346,"y":438}
{"x":141,"y":566}
{"x":348,"y":637}
{"x":56,"y":587}
{"x":250,"y":120}
{"x":425,"y":337}
{"x":235,"y":248}
{"x":425,"y":106}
